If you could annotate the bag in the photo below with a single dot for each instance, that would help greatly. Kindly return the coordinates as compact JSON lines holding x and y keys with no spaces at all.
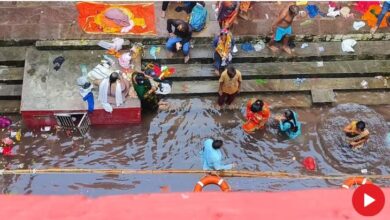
{"x":198,"y":18}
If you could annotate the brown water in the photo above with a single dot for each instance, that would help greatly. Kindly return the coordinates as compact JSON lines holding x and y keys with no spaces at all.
{"x":172,"y":140}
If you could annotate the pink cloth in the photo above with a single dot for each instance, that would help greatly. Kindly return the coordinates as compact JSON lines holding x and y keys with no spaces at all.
{"x":118,"y":17}
{"x":5,"y":122}
{"x":124,"y":60}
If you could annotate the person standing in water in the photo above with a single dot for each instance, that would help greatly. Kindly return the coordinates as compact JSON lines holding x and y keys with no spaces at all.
{"x":289,"y":124}
{"x":282,"y":30}
{"x":357,"y":134}
{"x":229,"y":85}
{"x":257,"y":115}
{"x":212,"y":156}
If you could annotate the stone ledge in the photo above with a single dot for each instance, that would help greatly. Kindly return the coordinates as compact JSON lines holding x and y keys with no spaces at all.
{"x":92,"y":44}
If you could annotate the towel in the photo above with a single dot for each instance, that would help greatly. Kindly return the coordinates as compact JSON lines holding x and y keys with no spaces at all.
{"x":103,"y":90}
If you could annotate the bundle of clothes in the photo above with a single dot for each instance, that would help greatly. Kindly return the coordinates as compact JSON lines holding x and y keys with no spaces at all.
{"x":7,"y":143}
{"x":117,"y":80}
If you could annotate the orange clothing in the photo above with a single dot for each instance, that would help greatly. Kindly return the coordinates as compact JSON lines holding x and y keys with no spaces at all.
{"x":245,"y":5}
{"x":256,"y":120}
{"x":370,"y":16}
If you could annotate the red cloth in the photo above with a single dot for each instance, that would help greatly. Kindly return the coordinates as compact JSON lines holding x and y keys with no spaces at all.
{"x":7,"y":150}
{"x":362,"y":7}
{"x":309,"y":163}
{"x":157,"y":70}
{"x":332,"y":4}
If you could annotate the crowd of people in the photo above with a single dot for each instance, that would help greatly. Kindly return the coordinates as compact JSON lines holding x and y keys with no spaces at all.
{"x":115,"y":88}
{"x":230,"y":79}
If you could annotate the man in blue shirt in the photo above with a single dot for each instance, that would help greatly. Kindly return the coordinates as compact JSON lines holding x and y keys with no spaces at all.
{"x":212,"y":156}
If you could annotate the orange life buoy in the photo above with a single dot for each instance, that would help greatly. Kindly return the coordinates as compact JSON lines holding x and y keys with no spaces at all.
{"x":211,"y":179}
{"x":358,"y":180}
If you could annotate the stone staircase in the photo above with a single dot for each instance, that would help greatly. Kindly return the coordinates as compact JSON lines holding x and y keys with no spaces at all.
{"x":310,"y":76}
{"x":11,"y":78}
{"x":328,"y":75}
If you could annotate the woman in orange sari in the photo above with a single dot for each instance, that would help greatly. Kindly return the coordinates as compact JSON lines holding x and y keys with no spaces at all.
{"x":257,"y":114}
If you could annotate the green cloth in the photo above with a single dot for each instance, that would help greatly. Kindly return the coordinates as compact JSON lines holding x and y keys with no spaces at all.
{"x":141,"y":90}
{"x":148,"y":103}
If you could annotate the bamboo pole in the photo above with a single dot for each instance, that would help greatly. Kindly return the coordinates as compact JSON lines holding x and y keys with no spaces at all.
{"x":226,"y":173}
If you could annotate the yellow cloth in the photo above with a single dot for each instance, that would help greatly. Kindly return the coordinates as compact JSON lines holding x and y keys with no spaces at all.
{"x":223,"y":48}
{"x":301,"y":3}
{"x":352,"y":125}
{"x":230,"y":86}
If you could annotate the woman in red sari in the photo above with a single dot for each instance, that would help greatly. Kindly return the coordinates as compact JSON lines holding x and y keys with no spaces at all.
{"x":227,"y":13}
{"x":257,"y":114}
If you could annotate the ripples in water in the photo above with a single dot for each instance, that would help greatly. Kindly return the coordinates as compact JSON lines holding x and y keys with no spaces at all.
{"x":173,"y":140}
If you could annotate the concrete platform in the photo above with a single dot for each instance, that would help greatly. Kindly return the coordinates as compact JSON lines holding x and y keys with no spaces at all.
{"x":322,"y":96}
{"x":46,"y":91}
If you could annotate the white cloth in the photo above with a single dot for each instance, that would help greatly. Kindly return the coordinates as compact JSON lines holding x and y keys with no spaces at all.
{"x":100,"y":72}
{"x":107,"y":107}
{"x":128,"y":28}
{"x":259,"y":46}
{"x":106,"y":45}
{"x":117,"y":43}
{"x":332,"y":12}
{"x":348,"y":44}
{"x":235,"y":50}
{"x":118,"y":94}
{"x":358,"y":24}
{"x":164,"y":88}
{"x":82,"y":80}
{"x":103,"y":90}
{"x":84,"y":92}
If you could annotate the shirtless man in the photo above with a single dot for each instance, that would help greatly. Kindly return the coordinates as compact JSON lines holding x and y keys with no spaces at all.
{"x":357,"y":134}
{"x":281,"y":29}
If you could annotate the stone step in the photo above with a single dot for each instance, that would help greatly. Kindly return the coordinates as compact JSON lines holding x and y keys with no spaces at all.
{"x":9,"y":106}
{"x":364,"y":50}
{"x":190,"y":88}
{"x":10,"y":91}
{"x":293,"y":100}
{"x":363,"y":97}
{"x":12,"y":56}
{"x":11,"y":74}
{"x":275,"y":70}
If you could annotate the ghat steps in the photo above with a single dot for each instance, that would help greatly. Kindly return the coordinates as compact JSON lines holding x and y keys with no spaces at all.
{"x":324,"y":76}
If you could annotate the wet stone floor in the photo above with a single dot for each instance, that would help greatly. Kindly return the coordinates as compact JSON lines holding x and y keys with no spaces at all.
{"x":173,"y":140}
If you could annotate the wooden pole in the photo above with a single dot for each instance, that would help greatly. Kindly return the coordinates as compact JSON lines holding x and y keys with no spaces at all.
{"x":226,"y":173}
